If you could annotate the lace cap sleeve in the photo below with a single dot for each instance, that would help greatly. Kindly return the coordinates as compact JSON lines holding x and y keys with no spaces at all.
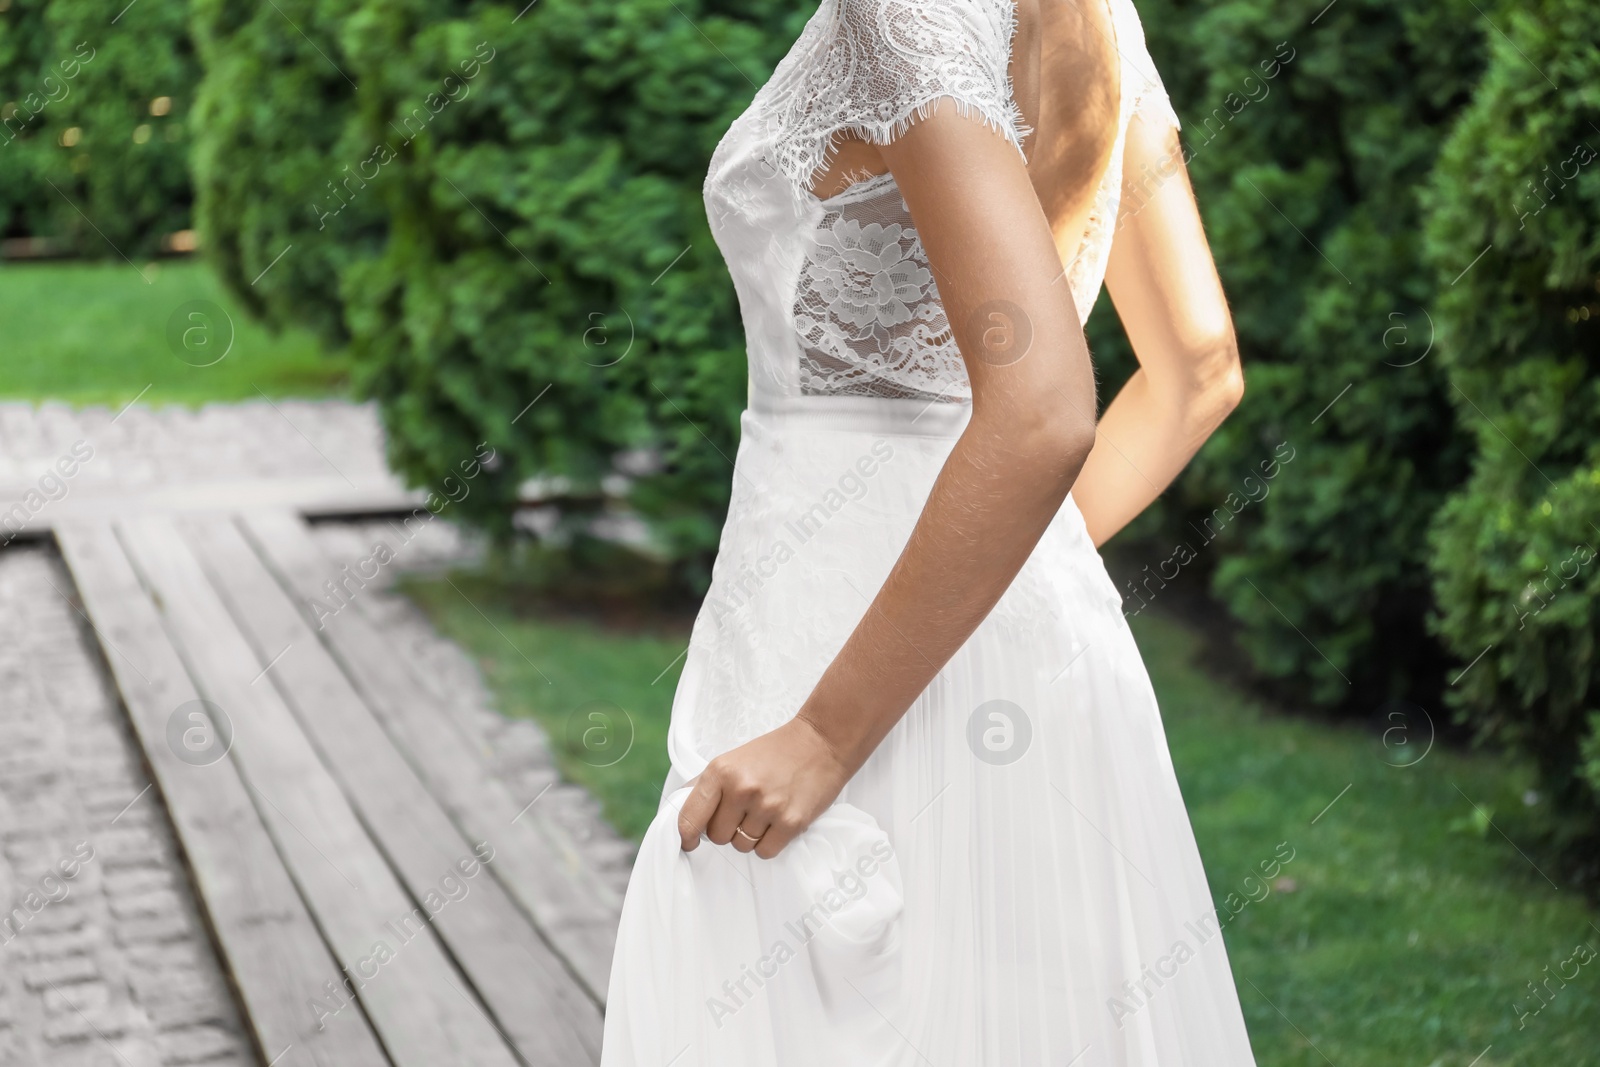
{"x":880,"y":65}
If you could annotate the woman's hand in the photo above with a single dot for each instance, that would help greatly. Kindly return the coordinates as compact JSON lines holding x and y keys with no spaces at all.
{"x":763,"y":794}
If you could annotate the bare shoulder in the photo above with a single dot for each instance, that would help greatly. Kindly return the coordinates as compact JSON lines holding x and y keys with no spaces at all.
{"x":1079,"y":102}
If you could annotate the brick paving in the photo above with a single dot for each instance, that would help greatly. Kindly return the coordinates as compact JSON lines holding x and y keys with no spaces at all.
{"x":104,"y":960}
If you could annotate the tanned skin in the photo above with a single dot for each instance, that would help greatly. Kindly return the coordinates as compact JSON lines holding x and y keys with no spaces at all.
{"x":997,"y":233}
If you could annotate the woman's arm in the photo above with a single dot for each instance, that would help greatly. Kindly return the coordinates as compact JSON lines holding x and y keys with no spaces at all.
{"x":1031,"y":428}
{"x":1167,"y":294}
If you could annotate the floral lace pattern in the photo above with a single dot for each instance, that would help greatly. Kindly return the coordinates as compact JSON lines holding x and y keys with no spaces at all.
{"x":873,"y":67}
{"x":867,"y":309}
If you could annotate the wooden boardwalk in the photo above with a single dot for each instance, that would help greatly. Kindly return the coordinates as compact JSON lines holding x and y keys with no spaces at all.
{"x":376,"y":894}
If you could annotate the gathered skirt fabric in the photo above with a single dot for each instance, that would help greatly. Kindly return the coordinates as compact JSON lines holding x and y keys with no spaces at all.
{"x":1010,"y":880}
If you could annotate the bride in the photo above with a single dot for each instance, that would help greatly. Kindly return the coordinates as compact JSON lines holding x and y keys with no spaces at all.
{"x":921,"y":808}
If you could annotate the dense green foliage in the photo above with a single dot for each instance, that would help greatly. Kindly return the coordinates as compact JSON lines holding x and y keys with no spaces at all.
{"x":278,"y":147}
{"x":1308,"y":132}
{"x":549,"y":236}
{"x":506,"y":221}
{"x":1517,"y":197}
{"x":93,"y":125}
{"x":23,"y":40}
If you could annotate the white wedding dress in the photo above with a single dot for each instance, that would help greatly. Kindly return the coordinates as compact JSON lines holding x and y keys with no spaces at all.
{"x":1011,"y":880}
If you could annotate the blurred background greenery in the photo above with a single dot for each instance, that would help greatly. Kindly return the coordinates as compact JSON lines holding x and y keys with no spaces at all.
{"x":459,"y":210}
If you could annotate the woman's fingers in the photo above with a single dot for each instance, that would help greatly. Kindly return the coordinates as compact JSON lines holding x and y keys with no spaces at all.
{"x":730,"y":813}
{"x":776,"y":838}
{"x":722,"y":806}
{"x":755,"y":798}
{"x":749,"y":832}
{"x":698,"y":810}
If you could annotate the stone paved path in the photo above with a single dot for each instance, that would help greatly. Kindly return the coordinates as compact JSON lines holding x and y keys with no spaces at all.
{"x":316,"y":456}
{"x":142,"y":448}
{"x":110,"y":966}
{"x":114,"y":964}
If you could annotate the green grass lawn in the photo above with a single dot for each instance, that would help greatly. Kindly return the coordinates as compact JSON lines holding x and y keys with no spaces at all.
{"x":98,"y":333}
{"x":564,"y":670}
{"x":1402,"y":933}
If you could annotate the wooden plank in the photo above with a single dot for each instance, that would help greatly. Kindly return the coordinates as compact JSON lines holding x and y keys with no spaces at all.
{"x":313,"y":496}
{"x":269,"y":944}
{"x":567,"y":901}
{"x":410,"y":990}
{"x":534,"y":998}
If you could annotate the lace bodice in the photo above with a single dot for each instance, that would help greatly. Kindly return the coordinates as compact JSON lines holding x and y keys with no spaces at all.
{"x":836,"y":294}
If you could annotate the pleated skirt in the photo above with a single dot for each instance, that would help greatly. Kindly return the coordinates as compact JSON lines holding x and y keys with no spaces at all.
{"x":1010,"y":880}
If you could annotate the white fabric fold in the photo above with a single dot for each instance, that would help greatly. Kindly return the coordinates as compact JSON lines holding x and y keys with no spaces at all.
{"x":726,"y":958}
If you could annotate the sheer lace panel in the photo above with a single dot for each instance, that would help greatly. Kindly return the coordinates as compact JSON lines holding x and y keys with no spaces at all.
{"x":872,"y":67}
{"x":864,"y":316}
{"x":866,"y":307}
